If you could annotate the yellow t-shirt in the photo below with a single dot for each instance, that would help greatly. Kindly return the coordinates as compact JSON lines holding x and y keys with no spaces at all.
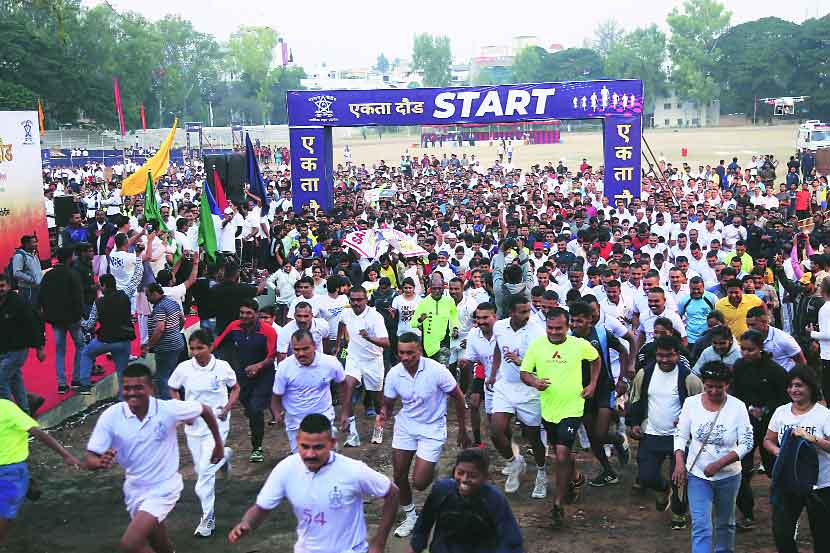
{"x":736,"y":316}
{"x":14,"y":433}
{"x":561,"y":364}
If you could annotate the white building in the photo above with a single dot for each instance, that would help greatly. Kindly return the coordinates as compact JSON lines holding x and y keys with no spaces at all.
{"x":673,"y":112}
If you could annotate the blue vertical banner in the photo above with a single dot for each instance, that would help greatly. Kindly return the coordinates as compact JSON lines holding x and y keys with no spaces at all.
{"x":621,"y":145}
{"x":311,"y":168}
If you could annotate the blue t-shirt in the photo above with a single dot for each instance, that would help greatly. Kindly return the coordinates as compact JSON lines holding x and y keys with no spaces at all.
{"x":696,"y":311}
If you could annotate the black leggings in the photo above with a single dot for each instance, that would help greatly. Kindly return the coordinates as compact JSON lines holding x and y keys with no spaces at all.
{"x":256,"y":422}
{"x":785,"y":515}
{"x":825,"y":379}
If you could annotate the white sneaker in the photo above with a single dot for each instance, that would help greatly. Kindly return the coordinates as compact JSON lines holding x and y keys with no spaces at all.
{"x":540,"y":488}
{"x":206,"y":525}
{"x":517,"y":467}
{"x":353,"y":440}
{"x":408,"y":524}
{"x":506,"y":469}
{"x":377,"y":435}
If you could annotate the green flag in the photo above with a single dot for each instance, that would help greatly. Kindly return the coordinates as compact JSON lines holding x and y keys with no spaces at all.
{"x":207,"y":232}
{"x":151,"y":208}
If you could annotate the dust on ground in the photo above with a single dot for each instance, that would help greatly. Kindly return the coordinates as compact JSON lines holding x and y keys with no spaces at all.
{"x":84,"y":512}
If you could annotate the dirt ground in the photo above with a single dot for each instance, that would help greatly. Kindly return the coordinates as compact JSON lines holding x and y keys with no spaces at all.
{"x":704,"y":146}
{"x":84,"y":512}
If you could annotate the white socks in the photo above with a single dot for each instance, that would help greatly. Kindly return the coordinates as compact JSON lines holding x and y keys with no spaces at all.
{"x":352,"y":425}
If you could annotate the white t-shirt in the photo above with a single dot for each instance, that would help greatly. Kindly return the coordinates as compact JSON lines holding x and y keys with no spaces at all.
{"x":480,"y":350}
{"x":648,"y":318}
{"x":305,"y":389}
{"x":328,"y":504}
{"x":207,"y":385}
{"x":817,"y":422}
{"x":663,"y":403}
{"x":423,"y":397}
{"x":516,"y":341}
{"x":147,"y":449}
{"x":227,"y":241}
{"x":331,"y":308}
{"x":359,"y":348}
{"x":733,"y":432}
{"x":177,"y":292}
{"x":319,"y":331}
{"x":782,"y":347}
{"x":122,"y":268}
{"x":405,"y":310}
{"x":313,"y":301}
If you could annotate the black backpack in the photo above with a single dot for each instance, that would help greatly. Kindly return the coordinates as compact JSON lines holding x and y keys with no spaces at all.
{"x":9,"y":271}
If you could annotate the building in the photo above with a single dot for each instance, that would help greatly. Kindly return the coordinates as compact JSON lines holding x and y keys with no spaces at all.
{"x":673,"y":112}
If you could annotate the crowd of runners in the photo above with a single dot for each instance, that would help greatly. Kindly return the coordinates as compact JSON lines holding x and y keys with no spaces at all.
{"x":692,"y":320}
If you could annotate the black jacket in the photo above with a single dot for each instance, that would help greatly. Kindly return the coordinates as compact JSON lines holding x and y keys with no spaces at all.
{"x":760,"y":383}
{"x":61,"y":296}
{"x":107,"y":231}
{"x":20,"y":326}
{"x":115,"y":318}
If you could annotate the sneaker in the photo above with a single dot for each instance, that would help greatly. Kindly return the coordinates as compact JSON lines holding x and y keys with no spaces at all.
{"x":257,"y":456}
{"x":745,"y":524}
{"x":206,"y":526}
{"x":517,"y":467}
{"x":63,"y":389}
{"x":575,"y":488}
{"x":478,"y":445}
{"x":678,"y":522}
{"x":377,"y":435}
{"x":623,"y":452}
{"x":557,"y":517}
{"x":604,"y":479}
{"x":505,"y":470}
{"x":353,"y":440}
{"x":76,"y":385}
{"x":85,"y":390}
{"x":408,"y":524}
{"x":540,"y":487}
{"x":370,"y":412}
{"x":226,"y":468}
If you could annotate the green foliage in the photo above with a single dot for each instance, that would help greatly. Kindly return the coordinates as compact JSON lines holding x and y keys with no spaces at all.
{"x":431,"y":56}
{"x":530,"y":65}
{"x":693,"y":47}
{"x":607,"y":36}
{"x":382,"y":64}
{"x":640,"y":54}
{"x":812,"y":75}
{"x":14,"y":97}
{"x":494,"y":75}
{"x":574,"y":64}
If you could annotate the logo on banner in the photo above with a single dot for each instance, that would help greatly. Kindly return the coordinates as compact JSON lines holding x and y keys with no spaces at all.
{"x":27,"y":129}
{"x":323,"y":111}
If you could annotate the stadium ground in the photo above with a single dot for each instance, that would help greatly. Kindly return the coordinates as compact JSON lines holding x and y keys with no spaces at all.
{"x":84,"y":513}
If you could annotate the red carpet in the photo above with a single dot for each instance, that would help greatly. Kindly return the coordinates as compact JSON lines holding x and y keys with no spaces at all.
{"x":41,"y":378}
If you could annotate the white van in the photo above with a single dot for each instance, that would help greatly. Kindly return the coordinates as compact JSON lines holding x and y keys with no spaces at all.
{"x":813,"y":135}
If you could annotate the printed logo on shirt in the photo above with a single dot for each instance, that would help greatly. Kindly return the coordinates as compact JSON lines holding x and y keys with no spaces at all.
{"x":160,"y":431}
{"x":335,"y":498}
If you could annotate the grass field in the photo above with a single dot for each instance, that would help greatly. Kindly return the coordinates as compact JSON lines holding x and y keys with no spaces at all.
{"x":705,"y":146}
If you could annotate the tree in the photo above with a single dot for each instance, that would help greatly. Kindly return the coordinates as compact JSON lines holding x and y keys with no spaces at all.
{"x":432,"y":57}
{"x":641,"y":54}
{"x":607,"y":36}
{"x":251,"y":57}
{"x":693,"y":48}
{"x":757,"y":58}
{"x":283,"y":80}
{"x":530,"y":65}
{"x":382,"y":64}
{"x":574,"y":64}
{"x":493,"y":75}
{"x":812,"y":73}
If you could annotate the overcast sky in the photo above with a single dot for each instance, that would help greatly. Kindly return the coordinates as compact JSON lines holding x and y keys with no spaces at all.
{"x":352,"y":34}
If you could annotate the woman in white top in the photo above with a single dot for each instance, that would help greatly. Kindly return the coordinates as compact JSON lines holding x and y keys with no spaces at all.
{"x":716,"y":429}
{"x":822,"y":334}
{"x":403,"y":307}
{"x":206,"y":379}
{"x":810,"y":420}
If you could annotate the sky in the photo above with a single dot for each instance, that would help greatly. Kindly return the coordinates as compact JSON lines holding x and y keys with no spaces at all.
{"x":352,"y":34}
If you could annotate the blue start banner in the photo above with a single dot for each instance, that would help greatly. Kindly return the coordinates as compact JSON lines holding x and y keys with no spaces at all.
{"x":618,"y":103}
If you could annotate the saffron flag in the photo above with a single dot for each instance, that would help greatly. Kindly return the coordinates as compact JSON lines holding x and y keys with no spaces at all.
{"x":119,"y":109}
{"x":40,"y":117}
{"x":221,"y":198}
{"x":257,"y":186}
{"x":156,"y":166}
{"x":152,"y":214}
{"x":207,"y":230}
{"x":214,"y":208}
{"x":143,"y":118}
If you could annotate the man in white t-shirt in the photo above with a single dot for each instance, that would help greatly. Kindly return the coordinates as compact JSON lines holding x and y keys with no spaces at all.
{"x":304,"y":320}
{"x":512,"y":397}
{"x":480,"y":346}
{"x":326,"y":492}
{"x":140,"y":434}
{"x":125,"y":267}
{"x":367,"y":337}
{"x":657,"y":308}
{"x":302,"y":385}
{"x":229,"y":226}
{"x":421,"y":425}
{"x":305,"y":288}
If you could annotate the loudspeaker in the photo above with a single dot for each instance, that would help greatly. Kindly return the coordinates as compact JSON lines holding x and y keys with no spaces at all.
{"x":232,"y":171}
{"x":65,"y":206}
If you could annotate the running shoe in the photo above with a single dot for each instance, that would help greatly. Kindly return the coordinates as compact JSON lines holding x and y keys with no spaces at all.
{"x":85,"y":390}
{"x":257,"y":456}
{"x":746,"y":524}
{"x":575,"y":488}
{"x":353,"y":440}
{"x":370,"y":412}
{"x":679,"y":522}
{"x":63,"y":389}
{"x":76,"y":384}
{"x":623,"y":452}
{"x":408,"y":524}
{"x":206,"y":526}
{"x":557,"y":517}
{"x":478,"y":445}
{"x":377,"y":435}
{"x":517,"y":467}
{"x":540,"y":487}
{"x":604,"y":479}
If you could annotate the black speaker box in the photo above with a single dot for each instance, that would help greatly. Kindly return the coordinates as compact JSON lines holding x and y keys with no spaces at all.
{"x":232,"y":173}
{"x":65,"y":206}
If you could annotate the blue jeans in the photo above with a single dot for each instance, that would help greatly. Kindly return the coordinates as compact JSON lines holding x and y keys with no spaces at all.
{"x":120,"y":356}
{"x":11,"y":379}
{"x":60,"y":351}
{"x":704,"y":495}
{"x":166,"y":362}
